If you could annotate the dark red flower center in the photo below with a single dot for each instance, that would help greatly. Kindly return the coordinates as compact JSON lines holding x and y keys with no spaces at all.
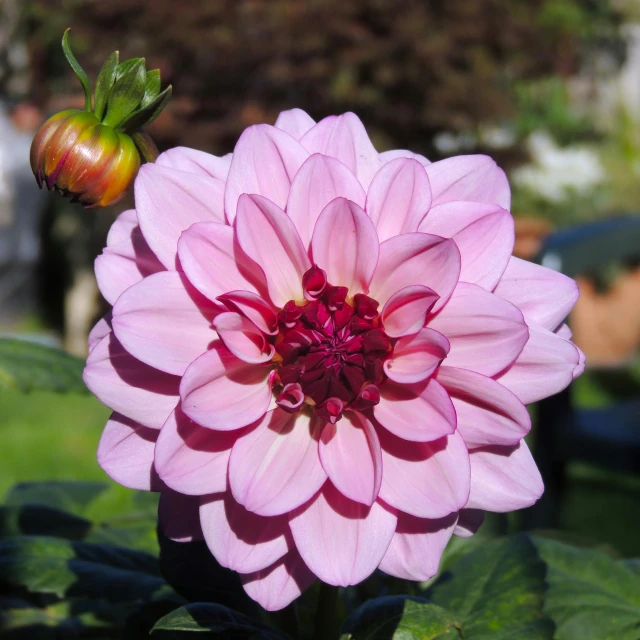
{"x":332,"y":350}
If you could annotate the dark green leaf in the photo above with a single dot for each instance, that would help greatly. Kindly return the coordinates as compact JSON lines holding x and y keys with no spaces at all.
{"x":77,"y":69}
{"x":28,"y":366}
{"x":126,"y":94}
{"x":126,"y":65}
{"x":78,"y":569}
{"x":400,"y":618}
{"x":151,"y":87}
{"x":591,"y":596}
{"x":72,"y":497}
{"x":33,"y":519}
{"x":104,"y":84}
{"x":148,"y":114}
{"x":497,"y":592}
{"x":215,"y":619}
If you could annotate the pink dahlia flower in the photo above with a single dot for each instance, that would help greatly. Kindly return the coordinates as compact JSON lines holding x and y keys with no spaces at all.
{"x":321,"y":354}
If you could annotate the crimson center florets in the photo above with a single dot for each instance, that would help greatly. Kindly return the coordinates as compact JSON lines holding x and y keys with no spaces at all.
{"x":332,"y":350}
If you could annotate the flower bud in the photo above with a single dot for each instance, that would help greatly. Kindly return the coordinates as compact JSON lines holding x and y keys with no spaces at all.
{"x":93,"y":155}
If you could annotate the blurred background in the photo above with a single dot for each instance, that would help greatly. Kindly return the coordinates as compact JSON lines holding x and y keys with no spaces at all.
{"x":549,"y":88}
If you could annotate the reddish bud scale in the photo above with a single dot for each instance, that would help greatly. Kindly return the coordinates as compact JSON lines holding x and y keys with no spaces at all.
{"x":84,"y":159}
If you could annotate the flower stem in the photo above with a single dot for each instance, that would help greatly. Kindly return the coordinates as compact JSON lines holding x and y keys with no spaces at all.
{"x":325,"y":621}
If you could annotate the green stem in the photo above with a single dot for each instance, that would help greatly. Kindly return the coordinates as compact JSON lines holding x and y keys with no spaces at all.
{"x":325,"y":620}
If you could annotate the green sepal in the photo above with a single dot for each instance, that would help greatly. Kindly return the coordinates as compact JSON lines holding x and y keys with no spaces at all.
{"x":104,"y":84}
{"x":77,"y":69}
{"x":145,"y":145}
{"x":125,"y":66}
{"x":151,"y":87}
{"x":126,"y":94}
{"x":147,"y":114}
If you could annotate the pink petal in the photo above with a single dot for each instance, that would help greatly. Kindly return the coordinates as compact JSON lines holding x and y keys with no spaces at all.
{"x":405,"y":312}
{"x":486,"y":332}
{"x":264,"y":162}
{"x":469,"y":521}
{"x":425,"y":479}
{"x":243,"y":338}
{"x":276,"y":467}
{"x":416,"y":357}
{"x":295,"y":122}
{"x":392,"y":154}
{"x":164,"y":322}
{"x":399,"y":197}
{"x":419,"y":412}
{"x":192,"y":459}
{"x":253,"y":307}
{"x":504,"y":479}
{"x":475,"y":178}
{"x":269,"y":237}
{"x":241,"y":540}
{"x":340,"y":540}
{"x":169,"y":201}
{"x":125,"y":452}
{"x":279,"y":585}
{"x":121,"y":229}
{"x":484,"y":234}
{"x":214,"y":262}
{"x":544,"y":296}
{"x":416,"y":258}
{"x":221,"y":392}
{"x":179,"y":516}
{"x":350,"y":455}
{"x":101,"y":329}
{"x":417,"y":546}
{"x":563,"y":331}
{"x":488,"y":413}
{"x":545,"y":367}
{"x":128,"y":386}
{"x":319,"y":181}
{"x":345,"y":245}
{"x":194,"y":161}
{"x":345,"y":138}
{"x":123,"y":264}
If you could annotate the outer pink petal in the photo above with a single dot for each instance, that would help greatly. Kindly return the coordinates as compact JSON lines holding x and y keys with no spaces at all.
{"x":544,"y":296}
{"x":164,"y":322}
{"x":417,"y":546}
{"x":221,"y":392}
{"x":123,"y":264}
{"x":350,"y":455}
{"x":486,"y":333}
{"x":279,"y":585}
{"x":504,"y":479}
{"x":276,"y":467}
{"x":121,"y":229}
{"x":488,"y":413}
{"x":484,"y":234}
{"x":169,"y":201}
{"x":192,"y":459}
{"x":253,"y":307}
{"x":179,"y":516}
{"x":399,"y":197}
{"x":419,"y":412}
{"x":392,"y":154}
{"x":128,"y":386}
{"x":125,"y":452}
{"x":319,"y":181}
{"x":340,"y":540}
{"x":264,"y":162}
{"x":345,"y":138}
{"x":243,"y":338}
{"x":241,"y":540}
{"x":416,"y":258}
{"x":545,"y":367}
{"x":475,"y":178}
{"x":405,"y":312}
{"x":469,"y":521}
{"x":194,"y":161}
{"x":101,"y":329}
{"x":345,"y":245}
{"x":416,"y":357}
{"x":295,"y":122}
{"x":270,"y":238}
{"x":426,"y":479}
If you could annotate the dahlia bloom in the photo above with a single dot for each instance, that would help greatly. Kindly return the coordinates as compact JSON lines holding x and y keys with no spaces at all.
{"x":320,"y":354}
